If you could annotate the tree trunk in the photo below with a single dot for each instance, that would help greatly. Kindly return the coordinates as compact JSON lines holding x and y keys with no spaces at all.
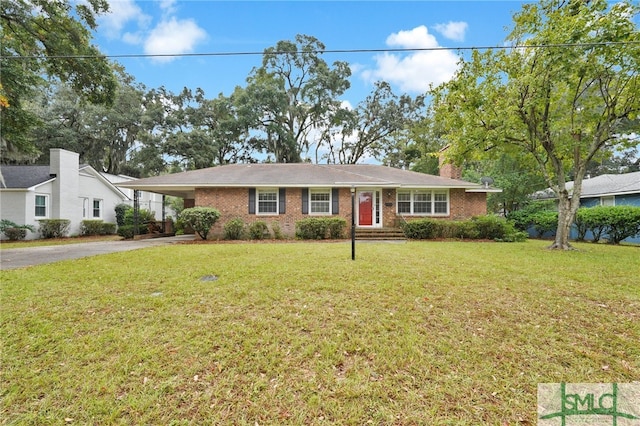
{"x":566,"y":214}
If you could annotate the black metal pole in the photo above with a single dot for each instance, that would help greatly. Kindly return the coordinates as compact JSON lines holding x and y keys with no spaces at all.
{"x":353,"y":224}
{"x":164,"y":214}
{"x":136,"y":212}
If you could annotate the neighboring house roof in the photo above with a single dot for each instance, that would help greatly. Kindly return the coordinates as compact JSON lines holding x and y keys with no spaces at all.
{"x":601,"y":186}
{"x":293,"y":175}
{"x":30,"y":175}
{"x":24,"y":177}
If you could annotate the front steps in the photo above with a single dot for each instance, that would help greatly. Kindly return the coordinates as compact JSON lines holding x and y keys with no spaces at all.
{"x":371,"y":234}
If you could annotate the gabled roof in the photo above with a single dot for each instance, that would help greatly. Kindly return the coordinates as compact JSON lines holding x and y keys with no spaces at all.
{"x":293,"y":175}
{"x":601,"y":186}
{"x":29,"y":176}
{"x":24,"y":177}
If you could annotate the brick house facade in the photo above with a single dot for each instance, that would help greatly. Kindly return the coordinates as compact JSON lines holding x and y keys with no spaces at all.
{"x":287,"y":193}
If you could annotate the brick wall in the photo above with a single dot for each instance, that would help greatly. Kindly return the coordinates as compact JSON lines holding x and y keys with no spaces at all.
{"x":233,"y":203}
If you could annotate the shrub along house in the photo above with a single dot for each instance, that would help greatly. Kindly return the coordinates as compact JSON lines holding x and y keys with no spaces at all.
{"x":287,"y":193}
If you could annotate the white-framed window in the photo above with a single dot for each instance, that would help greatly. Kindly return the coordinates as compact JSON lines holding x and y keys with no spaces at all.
{"x":267,"y":200}
{"x":404,"y":202}
{"x":423,"y":202}
{"x":42,"y":204}
{"x":320,"y":201}
{"x":97,"y":208}
{"x":608,"y":201}
{"x":85,"y":208}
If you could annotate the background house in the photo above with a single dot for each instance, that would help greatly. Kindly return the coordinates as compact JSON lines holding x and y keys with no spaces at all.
{"x":604,"y":190}
{"x":65,"y":189}
{"x":287,"y":193}
{"x":62,"y":190}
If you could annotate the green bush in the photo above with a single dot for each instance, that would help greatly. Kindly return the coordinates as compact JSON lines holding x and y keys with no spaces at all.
{"x":258,"y":230}
{"x":592,"y":219}
{"x":54,"y":228}
{"x":491,"y":227}
{"x":13,"y":231}
{"x":97,"y":227}
{"x":234,"y":229}
{"x":277,"y":231}
{"x":336,"y":227}
{"x":320,"y":228}
{"x":481,"y":227}
{"x":200,"y":219}
{"x":15,"y":234}
{"x":455,"y":229}
{"x":121,"y":211}
{"x":420,"y":229}
{"x":144,"y":216}
{"x":545,"y":221}
{"x":523,"y":219}
{"x":126,"y":231}
{"x":623,"y":222}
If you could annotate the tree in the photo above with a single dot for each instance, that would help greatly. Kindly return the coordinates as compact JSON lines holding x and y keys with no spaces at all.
{"x":374,"y":128}
{"x":103,"y":135}
{"x":205,"y":132}
{"x":517,"y":177}
{"x":560,"y":95}
{"x":43,"y":38}
{"x":294,"y":92}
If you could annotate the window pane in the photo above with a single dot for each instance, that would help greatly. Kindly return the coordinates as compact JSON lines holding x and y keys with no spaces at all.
{"x":404,"y":202}
{"x":440,"y":202}
{"x":422,"y":202}
{"x":41,"y":206}
{"x":267,"y":202}
{"x":320,"y":202}
{"x":96,"y":208}
{"x":607,"y":201}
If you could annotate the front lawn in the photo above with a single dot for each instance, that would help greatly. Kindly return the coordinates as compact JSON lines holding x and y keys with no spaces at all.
{"x":416,"y":333}
{"x":6,"y":244}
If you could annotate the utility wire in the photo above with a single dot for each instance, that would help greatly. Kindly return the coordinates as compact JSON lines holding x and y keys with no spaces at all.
{"x":385,"y":50}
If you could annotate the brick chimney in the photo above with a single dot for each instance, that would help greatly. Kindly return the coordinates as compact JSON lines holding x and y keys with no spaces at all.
{"x":448,"y":170}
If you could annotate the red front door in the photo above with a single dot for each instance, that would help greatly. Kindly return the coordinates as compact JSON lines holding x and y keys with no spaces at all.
{"x":365,"y":209}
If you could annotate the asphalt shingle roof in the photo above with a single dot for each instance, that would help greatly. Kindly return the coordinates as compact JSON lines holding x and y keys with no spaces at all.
{"x":627,"y":183}
{"x":22,"y":177}
{"x":609,"y":184}
{"x":300,"y":174}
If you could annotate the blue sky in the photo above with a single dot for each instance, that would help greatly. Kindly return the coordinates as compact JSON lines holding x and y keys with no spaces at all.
{"x":204,"y":26}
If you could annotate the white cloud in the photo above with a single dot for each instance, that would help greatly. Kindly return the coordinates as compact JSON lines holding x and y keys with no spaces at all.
{"x":452,"y":30}
{"x":413,"y":71}
{"x":121,"y":12}
{"x":168,"y":6}
{"x":173,"y":36}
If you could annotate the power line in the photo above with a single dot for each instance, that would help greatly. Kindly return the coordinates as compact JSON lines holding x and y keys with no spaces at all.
{"x":385,"y":50}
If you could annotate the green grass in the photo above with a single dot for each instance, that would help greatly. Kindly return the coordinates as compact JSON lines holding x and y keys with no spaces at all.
{"x":5,"y":244}
{"x":439,"y":333}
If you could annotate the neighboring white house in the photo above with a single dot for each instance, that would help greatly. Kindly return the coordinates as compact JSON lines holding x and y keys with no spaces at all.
{"x":65,"y":189}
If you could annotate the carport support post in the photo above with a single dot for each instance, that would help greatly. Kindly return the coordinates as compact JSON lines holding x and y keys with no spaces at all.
{"x":353,"y":223}
{"x":136,"y":211}
{"x":164,"y":215}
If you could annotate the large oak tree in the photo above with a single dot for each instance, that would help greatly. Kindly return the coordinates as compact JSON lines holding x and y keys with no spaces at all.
{"x":560,"y":94}
{"x":43,"y":39}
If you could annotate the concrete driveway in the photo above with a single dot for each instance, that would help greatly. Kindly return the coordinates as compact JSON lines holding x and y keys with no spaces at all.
{"x":30,"y":256}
